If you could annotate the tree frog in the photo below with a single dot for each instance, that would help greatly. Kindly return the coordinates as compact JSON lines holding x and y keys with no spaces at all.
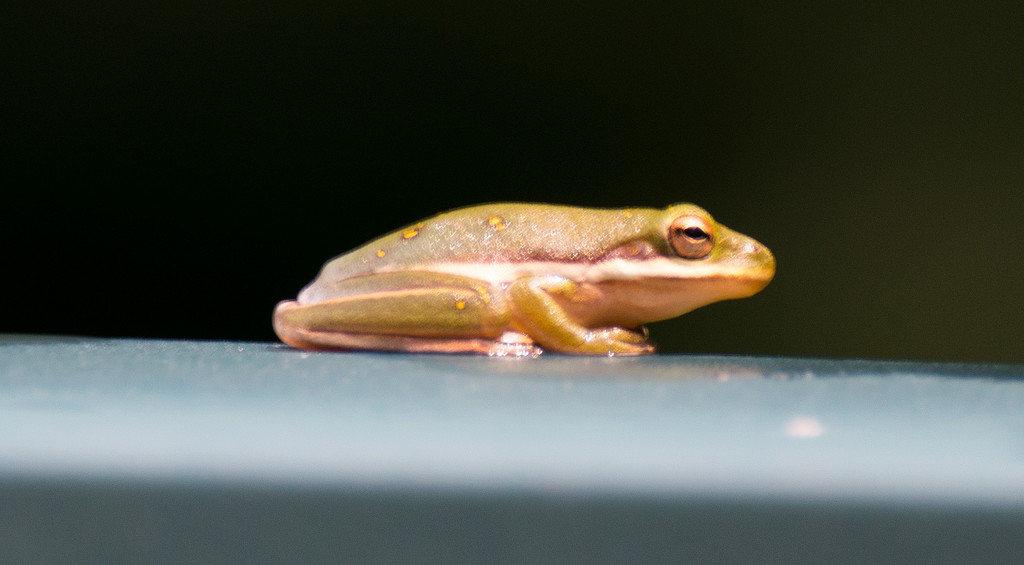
{"x":518,"y":278}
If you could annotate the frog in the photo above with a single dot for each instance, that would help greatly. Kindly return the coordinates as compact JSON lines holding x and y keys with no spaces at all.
{"x":518,"y":279}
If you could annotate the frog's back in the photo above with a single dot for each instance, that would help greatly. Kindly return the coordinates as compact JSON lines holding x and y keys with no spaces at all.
{"x":500,"y":233}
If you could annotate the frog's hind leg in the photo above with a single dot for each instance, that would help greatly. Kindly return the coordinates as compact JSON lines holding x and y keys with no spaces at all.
{"x":509,"y":344}
{"x":327,"y":340}
{"x":408,"y":311}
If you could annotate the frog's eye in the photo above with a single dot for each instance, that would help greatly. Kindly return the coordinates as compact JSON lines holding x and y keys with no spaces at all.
{"x":692,"y":237}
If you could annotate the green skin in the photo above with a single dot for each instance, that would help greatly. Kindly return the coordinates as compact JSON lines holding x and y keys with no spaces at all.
{"x":513,"y":278}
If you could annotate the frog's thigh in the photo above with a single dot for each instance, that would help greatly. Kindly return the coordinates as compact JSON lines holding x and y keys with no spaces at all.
{"x":538,"y":313}
{"x":409,"y":311}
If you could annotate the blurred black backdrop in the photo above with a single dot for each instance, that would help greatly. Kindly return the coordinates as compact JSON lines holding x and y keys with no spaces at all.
{"x":174,"y":170}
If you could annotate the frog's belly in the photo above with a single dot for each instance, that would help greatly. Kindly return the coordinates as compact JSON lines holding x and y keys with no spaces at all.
{"x":624,"y":293}
{"x":632,"y":303}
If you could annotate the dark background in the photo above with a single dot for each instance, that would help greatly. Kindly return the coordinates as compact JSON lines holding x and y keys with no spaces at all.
{"x":174,"y":171}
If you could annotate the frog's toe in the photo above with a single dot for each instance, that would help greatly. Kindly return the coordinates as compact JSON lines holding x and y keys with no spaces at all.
{"x":616,"y":341}
{"x":638,"y":336}
{"x":514,"y":344}
{"x":502,"y":349}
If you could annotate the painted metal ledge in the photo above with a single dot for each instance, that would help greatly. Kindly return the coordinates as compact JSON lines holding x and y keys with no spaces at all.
{"x":116,"y":450}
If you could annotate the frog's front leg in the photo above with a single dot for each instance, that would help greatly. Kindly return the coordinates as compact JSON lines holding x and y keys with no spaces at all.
{"x":537,"y":312}
{"x":406,"y":311}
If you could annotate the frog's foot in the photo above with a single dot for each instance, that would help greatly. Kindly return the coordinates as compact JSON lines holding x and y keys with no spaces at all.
{"x":615,"y":341}
{"x":514,"y":344}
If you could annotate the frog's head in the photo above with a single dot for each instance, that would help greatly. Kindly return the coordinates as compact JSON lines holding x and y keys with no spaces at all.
{"x":699,"y":246}
{"x":685,"y":260}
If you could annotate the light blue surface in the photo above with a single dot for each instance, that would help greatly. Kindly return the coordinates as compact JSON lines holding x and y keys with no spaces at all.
{"x":658,"y":424}
{"x":749,"y":430}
